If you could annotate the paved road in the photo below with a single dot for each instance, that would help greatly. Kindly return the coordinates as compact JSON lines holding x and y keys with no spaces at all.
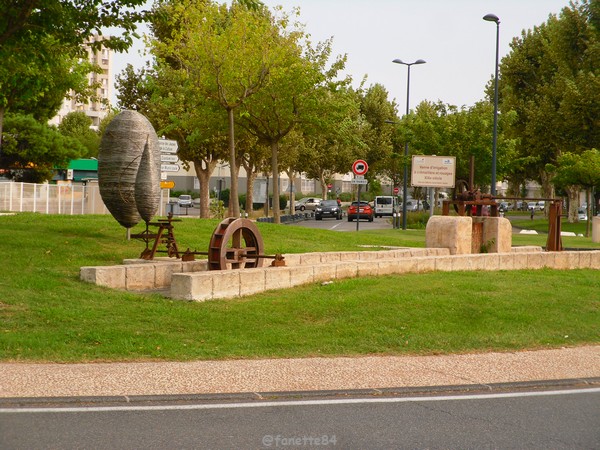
{"x":343,"y":225}
{"x":557,"y":419}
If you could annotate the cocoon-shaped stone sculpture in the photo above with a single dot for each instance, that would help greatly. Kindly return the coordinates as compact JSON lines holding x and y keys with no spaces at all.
{"x":129,"y":168}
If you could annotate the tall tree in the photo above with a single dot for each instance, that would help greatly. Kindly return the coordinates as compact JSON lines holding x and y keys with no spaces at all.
{"x":77,"y":124}
{"x":551,"y":80}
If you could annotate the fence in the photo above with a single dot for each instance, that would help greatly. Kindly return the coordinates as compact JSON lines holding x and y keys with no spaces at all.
{"x":69,"y":199}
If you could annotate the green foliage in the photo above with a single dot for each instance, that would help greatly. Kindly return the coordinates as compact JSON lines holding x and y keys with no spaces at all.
{"x":31,"y":149}
{"x":77,"y":124}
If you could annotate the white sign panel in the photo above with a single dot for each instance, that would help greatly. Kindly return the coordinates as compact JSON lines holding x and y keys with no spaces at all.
{"x":169,"y":167}
{"x":167,"y":146}
{"x":168,"y":157}
{"x":433,"y":171}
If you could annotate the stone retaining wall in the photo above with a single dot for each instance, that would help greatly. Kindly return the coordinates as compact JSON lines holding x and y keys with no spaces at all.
{"x":192,"y":281}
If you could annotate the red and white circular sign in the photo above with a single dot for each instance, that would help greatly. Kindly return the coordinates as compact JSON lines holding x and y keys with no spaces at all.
{"x":396,"y":190}
{"x":360,"y":167}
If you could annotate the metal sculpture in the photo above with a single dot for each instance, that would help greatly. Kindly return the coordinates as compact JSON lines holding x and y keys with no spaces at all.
{"x":129,"y":168}
{"x":234,"y":244}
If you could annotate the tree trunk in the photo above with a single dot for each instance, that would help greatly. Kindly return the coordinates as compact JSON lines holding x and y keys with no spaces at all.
{"x":250,"y":177}
{"x":573,"y":193}
{"x":323,"y":183}
{"x":275,"y":167}
{"x":234,"y":198}
{"x":2,"y":108}
{"x":204,"y":175}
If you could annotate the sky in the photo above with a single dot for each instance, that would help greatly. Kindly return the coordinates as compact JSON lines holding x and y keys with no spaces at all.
{"x":459,"y":47}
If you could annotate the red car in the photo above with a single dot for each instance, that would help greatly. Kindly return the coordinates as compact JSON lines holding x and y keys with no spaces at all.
{"x":365,"y":211}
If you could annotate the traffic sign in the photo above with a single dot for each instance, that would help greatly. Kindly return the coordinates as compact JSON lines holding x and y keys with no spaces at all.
{"x":360,"y":167}
{"x":396,"y":190}
{"x":169,"y":168}
{"x":168,"y":146}
{"x":359,"y":179}
{"x":170,"y":184}
{"x":168,"y":157}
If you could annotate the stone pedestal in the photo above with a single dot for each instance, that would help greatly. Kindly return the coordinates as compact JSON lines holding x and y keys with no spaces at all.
{"x":596,"y":229}
{"x":497,"y":234}
{"x":451,"y":232}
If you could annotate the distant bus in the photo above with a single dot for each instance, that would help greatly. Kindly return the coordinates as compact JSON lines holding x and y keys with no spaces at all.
{"x":385,"y":205}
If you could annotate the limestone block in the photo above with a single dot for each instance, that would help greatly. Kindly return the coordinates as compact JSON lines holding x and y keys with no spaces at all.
{"x":585,"y":260}
{"x":139,"y":277}
{"x":462,"y":262}
{"x":388,"y":267}
{"x":497,"y":234}
{"x":310,"y":258}
{"x":478,"y":261}
{"x":444,"y":263}
{"x":110,"y":276}
{"x":350,"y":256}
{"x":596,"y":229}
{"x":330,"y":257}
{"x":300,"y":275}
{"x":595,"y":259}
{"x":324,"y":272}
{"x":520,"y":261}
{"x":226,"y":283}
{"x":526,"y":249}
{"x":252,"y":281}
{"x":548,"y":259}
{"x":163,"y":274}
{"x":535,"y":260}
{"x":368,"y":268}
{"x":292,"y":259}
{"x":402,"y":253}
{"x":277,"y":278}
{"x":192,"y":286}
{"x":407,"y":265}
{"x":506,"y":261}
{"x":346,"y":270}
{"x":451,"y":232}
{"x":491,"y":261}
{"x":561,"y":260}
{"x":200,"y":265}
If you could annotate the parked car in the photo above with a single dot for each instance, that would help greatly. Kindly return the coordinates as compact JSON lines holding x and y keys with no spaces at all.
{"x":185,"y":201}
{"x":307,"y":203}
{"x":531,"y":205}
{"x":541,"y":205}
{"x":505,"y":206}
{"x":362,"y":211}
{"x":413,"y":205}
{"x":582,"y":214}
{"x":328,"y":208}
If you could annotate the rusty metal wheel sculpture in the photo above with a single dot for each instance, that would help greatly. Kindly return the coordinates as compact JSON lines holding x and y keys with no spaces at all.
{"x":235,"y":244}
{"x":461,"y":192}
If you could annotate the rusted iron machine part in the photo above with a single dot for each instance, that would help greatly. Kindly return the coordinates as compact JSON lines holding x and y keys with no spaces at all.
{"x":463,"y":199}
{"x":235,"y":244}
{"x":159,"y":238}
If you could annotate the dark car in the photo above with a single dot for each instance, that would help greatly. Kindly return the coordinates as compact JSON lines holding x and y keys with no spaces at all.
{"x":328,"y":208}
{"x":362,"y":211}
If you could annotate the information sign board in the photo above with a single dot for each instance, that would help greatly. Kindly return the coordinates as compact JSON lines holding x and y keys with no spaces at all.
{"x":433,"y":171}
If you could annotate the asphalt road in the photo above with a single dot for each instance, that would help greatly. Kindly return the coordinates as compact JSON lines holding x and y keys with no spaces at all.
{"x":343,"y":225}
{"x":559,"y":419}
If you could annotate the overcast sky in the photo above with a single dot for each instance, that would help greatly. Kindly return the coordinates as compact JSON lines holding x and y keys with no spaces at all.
{"x":458,"y":45}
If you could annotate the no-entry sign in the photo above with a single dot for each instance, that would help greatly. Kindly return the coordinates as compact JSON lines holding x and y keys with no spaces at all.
{"x":360,"y":167}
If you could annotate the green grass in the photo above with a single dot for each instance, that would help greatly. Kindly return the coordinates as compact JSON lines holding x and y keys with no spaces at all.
{"x":48,"y":314}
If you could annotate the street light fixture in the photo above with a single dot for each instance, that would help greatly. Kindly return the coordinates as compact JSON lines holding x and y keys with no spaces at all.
{"x":405,"y":185}
{"x":494,"y":18}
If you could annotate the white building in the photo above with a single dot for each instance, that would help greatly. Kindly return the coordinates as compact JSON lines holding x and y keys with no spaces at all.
{"x":94,"y":110}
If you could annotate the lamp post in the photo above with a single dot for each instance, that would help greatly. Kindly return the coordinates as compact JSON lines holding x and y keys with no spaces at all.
{"x":405,"y":185}
{"x":494,"y":18}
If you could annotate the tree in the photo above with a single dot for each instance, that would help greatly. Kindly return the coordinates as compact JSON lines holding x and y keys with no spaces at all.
{"x":226,"y":53}
{"x":77,"y":124}
{"x":31,"y":149}
{"x":40,"y":43}
{"x":574,"y":172}
{"x":551,"y":79}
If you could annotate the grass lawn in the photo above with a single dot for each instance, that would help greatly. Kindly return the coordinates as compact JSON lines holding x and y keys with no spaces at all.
{"x":48,"y":314}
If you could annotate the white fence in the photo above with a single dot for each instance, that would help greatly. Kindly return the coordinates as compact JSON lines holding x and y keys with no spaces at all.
{"x":66,"y":199}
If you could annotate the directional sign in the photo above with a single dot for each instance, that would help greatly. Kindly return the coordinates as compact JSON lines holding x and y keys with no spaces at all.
{"x":360,"y":167}
{"x":169,"y":167}
{"x":167,"y":184}
{"x":167,"y":146}
{"x":168,"y":157}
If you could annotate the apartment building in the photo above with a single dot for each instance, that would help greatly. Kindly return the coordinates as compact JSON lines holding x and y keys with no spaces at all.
{"x":94,"y":110}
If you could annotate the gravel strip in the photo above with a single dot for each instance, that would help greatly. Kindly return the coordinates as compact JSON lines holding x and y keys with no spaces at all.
{"x":284,"y":375}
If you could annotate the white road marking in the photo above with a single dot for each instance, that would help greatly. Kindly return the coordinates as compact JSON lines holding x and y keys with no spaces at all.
{"x":297,"y":402}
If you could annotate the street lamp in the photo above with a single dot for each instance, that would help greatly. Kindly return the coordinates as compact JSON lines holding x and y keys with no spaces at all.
{"x":494,"y":18}
{"x":405,"y":185}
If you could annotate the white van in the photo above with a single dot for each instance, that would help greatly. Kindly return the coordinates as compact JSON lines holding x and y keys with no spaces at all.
{"x":385,"y":205}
